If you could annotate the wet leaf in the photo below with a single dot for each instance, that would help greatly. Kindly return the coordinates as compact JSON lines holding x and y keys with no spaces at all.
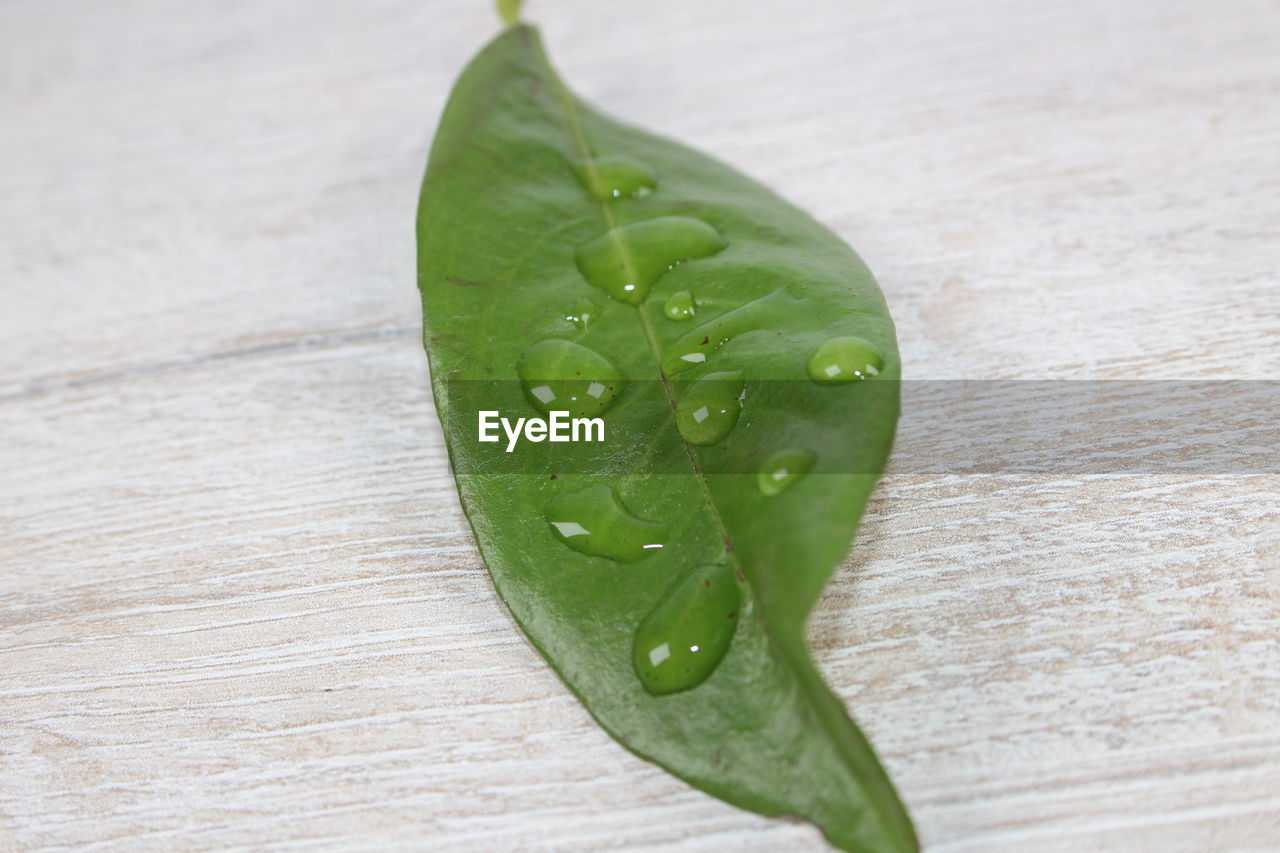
{"x":744,"y":366}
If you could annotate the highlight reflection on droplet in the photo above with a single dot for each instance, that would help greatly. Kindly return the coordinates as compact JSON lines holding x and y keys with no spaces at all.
{"x":563,"y":376}
{"x":582,"y":314}
{"x":594,"y":521}
{"x":781,"y":470}
{"x":625,"y":261}
{"x":845,"y":359}
{"x":708,"y":409}
{"x":684,"y":637}
{"x":679,"y":306}
{"x":614,"y":176}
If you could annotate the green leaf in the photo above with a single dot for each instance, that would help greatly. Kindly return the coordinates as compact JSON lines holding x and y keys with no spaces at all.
{"x":668,"y":571}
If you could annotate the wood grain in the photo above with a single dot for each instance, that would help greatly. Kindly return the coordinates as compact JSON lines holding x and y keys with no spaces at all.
{"x":240,"y":607}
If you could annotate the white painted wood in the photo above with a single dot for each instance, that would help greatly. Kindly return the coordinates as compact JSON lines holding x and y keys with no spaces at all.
{"x":240,"y":607}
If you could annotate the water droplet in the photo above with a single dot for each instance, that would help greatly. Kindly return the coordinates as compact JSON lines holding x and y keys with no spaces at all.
{"x":624,"y":262}
{"x":845,"y":359}
{"x":709,"y":408}
{"x":612,"y":177}
{"x":582,"y":314}
{"x":680,"y":306}
{"x":781,"y":471}
{"x":567,"y":377}
{"x":594,"y":521}
{"x":699,"y":343}
{"x":684,"y":637}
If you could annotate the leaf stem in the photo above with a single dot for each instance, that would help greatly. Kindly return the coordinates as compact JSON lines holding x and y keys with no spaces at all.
{"x":509,"y":10}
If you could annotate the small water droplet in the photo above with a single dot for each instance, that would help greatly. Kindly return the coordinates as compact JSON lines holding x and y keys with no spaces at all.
{"x":680,"y":306}
{"x":567,"y":377}
{"x":845,"y":359}
{"x":612,"y":177}
{"x":624,"y":262}
{"x":582,"y":314}
{"x":594,"y":521}
{"x":709,"y":408}
{"x":781,"y":470}
{"x":681,"y":641}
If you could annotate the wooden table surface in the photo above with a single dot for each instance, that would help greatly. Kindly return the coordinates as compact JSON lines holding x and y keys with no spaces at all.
{"x":240,"y":605}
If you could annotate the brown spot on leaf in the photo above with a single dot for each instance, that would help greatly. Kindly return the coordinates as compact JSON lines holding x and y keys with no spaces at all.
{"x":465,"y":282}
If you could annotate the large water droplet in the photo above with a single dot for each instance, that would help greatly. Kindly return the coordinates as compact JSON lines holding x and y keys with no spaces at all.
{"x":624,"y":262}
{"x":679,"y":306}
{"x":567,"y":377}
{"x":582,"y":314}
{"x":700,"y":343}
{"x":845,"y":359}
{"x":709,"y":408}
{"x":781,"y":470}
{"x":680,"y":642}
{"x":594,"y":521}
{"x":612,"y":177}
